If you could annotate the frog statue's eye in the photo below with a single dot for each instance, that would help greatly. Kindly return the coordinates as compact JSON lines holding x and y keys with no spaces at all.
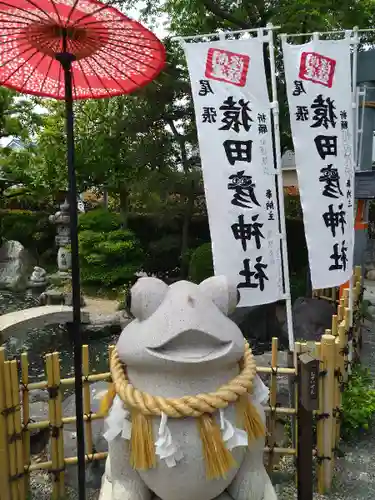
{"x":222,"y":293}
{"x":146,"y":296}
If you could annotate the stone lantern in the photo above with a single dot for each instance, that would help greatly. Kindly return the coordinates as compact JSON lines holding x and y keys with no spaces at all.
{"x":62,"y":220}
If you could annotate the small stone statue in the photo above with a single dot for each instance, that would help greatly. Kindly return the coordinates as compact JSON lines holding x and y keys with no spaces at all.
{"x":185,"y":418}
{"x":38,"y":279}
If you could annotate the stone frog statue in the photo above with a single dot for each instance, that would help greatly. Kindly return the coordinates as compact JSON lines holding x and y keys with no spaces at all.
{"x":185,"y":419}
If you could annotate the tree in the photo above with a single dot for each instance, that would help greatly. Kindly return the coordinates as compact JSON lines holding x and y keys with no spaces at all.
{"x":140,"y":148}
{"x":18,"y":117}
{"x":191,"y":17}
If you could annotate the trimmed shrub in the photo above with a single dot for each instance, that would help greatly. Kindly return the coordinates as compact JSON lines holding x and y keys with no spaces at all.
{"x":201,"y":265}
{"x":99,"y":220}
{"x":110,"y":256}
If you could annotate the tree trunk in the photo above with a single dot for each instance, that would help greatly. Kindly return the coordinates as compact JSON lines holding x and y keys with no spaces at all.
{"x":124,"y":206}
{"x":188,"y":212}
{"x":105,"y":199}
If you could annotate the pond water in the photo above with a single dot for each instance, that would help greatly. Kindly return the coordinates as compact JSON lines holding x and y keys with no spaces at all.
{"x":38,"y":342}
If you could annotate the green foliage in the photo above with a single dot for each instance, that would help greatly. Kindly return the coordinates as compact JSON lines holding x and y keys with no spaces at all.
{"x":363,"y":313}
{"x":358,"y":403}
{"x":201,"y":265}
{"x":297,"y":249}
{"x":109,"y":255}
{"x":32,"y":229}
{"x":17,"y":115}
{"x":293,"y":208}
{"x":298,"y":284}
{"x":99,"y":220}
{"x":163,"y":255}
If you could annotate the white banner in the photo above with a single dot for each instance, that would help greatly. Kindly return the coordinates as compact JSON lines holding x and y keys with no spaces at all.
{"x":232,"y":112}
{"x":318,"y":77}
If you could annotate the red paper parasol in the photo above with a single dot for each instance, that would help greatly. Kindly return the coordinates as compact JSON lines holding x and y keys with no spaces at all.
{"x":114,"y":54}
{"x":74,"y":49}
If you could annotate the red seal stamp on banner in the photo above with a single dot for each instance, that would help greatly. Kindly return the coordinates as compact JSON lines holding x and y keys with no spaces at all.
{"x":317,"y":68}
{"x":226,"y":66}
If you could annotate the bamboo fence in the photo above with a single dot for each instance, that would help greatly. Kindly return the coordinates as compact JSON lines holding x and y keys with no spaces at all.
{"x":16,"y":462}
{"x":329,"y":294}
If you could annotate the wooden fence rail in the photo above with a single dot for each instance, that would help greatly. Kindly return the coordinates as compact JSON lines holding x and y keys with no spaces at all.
{"x":16,"y":464}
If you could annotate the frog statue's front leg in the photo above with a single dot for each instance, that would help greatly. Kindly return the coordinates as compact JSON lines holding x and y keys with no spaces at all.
{"x":252,"y":481}
{"x":121,"y":481}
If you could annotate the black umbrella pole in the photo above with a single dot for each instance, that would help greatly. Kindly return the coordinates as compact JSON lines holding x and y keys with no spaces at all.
{"x":66,"y":61}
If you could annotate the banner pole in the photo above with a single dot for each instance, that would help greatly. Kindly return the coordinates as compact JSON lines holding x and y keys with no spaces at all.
{"x":276,"y":129}
{"x":355,"y":42}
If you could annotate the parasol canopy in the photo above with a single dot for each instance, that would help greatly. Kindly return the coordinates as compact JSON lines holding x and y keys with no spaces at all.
{"x":113,"y":54}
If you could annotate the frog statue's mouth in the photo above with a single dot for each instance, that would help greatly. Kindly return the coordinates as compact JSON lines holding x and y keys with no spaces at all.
{"x":191,"y":346}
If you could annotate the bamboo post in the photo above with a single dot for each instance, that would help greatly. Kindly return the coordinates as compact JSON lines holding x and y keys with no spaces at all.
{"x":20,"y":470}
{"x":349,"y":340}
{"x":52,"y":419}
{"x":342,"y":371}
{"x":297,"y":352}
{"x":337,"y":393}
{"x":346,"y":297}
{"x":292,"y":363}
{"x":358,"y":287}
{"x":358,"y":273}
{"x":25,"y":418}
{"x":308,"y":379}
{"x":334,"y":325}
{"x":334,"y":294}
{"x":4,"y":455}
{"x":87,"y":399}
{"x":11,"y":431}
{"x":59,"y":425}
{"x":340,"y":313}
{"x":342,"y":303}
{"x":328,"y":357}
{"x":357,"y":325}
{"x":319,"y":422}
{"x":273,"y":400}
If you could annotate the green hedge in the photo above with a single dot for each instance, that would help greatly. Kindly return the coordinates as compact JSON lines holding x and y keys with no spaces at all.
{"x":158,"y":235}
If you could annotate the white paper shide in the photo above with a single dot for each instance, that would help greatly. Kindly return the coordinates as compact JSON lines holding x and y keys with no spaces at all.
{"x":235,"y":139}
{"x":318,"y":77}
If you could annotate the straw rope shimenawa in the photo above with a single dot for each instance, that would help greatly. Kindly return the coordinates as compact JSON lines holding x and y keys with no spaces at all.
{"x":143,"y":406}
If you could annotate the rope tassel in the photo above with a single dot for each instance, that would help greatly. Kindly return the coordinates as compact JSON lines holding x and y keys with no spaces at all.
{"x":218,"y":459}
{"x":249,"y":418}
{"x":107,"y":401}
{"x":142,"y":448}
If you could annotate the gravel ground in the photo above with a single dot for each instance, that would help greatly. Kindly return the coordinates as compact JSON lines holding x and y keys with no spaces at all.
{"x":354,"y":476}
